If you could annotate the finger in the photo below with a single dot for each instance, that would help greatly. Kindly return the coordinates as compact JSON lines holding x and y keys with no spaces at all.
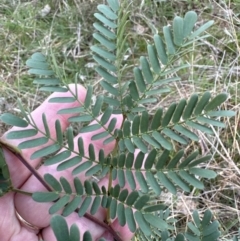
{"x":50,"y":110}
{"x":37,"y":213}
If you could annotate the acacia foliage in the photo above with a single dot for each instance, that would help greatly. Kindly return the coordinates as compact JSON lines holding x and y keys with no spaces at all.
{"x":145,"y":153}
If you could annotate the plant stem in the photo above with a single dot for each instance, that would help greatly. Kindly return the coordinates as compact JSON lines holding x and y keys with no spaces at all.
{"x":22,"y":192}
{"x":39,"y":177}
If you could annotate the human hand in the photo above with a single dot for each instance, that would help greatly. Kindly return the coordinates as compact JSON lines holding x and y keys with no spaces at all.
{"x":11,"y":228}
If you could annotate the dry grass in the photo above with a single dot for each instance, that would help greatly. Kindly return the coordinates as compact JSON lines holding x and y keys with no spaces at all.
{"x":65,"y":33}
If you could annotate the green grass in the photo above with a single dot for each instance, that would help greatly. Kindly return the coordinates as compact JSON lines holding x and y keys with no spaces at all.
{"x":64,"y":35}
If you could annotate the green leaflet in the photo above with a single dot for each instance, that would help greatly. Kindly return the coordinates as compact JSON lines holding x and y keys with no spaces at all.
{"x":141,"y":181}
{"x":144,"y":122}
{"x":107,"y":11}
{"x":159,"y":45}
{"x":107,"y":44}
{"x":74,"y":233}
{"x":39,"y":57}
{"x":190,"y":106}
{"x":200,"y":127}
{"x":62,"y":100}
{"x":162,"y":141}
{"x":84,"y":206}
{"x":201,"y":29}
{"x":191,"y":179}
{"x":152,"y":54}
{"x":98,"y":105}
{"x":13,"y":120}
{"x":96,"y":204}
{"x":130,"y":179}
{"x":203,"y":172}
{"x":60,"y":228}
{"x":168,"y":115}
{"x":53,"y":89}
{"x":147,"y":73}
{"x":169,"y":40}
{"x":105,"y":21}
{"x":178,"y":33}
{"x":47,"y":81}
{"x":53,"y":182}
{"x":90,"y":128}
{"x":45,"y":196}
{"x":166,"y":182}
{"x":66,"y":186}
{"x":202,"y":103}
{"x":87,"y":236}
{"x":114,"y":4}
{"x":153,"y":183}
{"x":190,"y":19}
{"x":130,"y":219}
{"x":182,"y":130}
{"x":41,"y":72}
{"x":208,"y":121}
{"x":113,"y":208}
{"x":33,"y":143}
{"x":142,"y":223}
{"x":175,"y":160}
{"x":104,"y":31}
{"x":174,"y":136}
{"x":81,"y":167}
{"x":22,"y":134}
{"x":178,"y":181}
{"x":216,"y":101}
{"x":150,"y":159}
{"x":155,"y":221}
{"x":139,"y":79}
{"x":69,"y":163}
{"x":104,"y":63}
{"x":59,"y":204}
{"x":140,"y":144}
{"x":106,"y":75}
{"x":179,"y":111}
{"x":121,"y":214}
{"x":45,"y":151}
{"x":78,"y":186}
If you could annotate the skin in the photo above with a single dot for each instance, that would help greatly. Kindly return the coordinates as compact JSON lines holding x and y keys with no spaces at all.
{"x":37,"y":213}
